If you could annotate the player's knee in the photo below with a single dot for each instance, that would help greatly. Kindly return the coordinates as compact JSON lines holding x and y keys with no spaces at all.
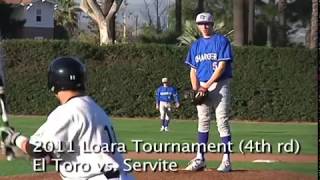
{"x":223,"y":122}
{"x":222,"y":118}
{"x":204,"y":116}
{"x":224,"y":128}
{"x":162,"y":116}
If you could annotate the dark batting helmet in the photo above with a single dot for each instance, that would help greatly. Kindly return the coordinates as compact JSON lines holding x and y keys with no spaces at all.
{"x":66,"y":73}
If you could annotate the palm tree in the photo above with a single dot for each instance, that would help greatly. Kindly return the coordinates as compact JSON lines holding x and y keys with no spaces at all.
{"x":66,"y":15}
{"x":178,"y":16}
{"x":190,"y":34}
{"x":268,"y":14}
{"x":222,"y":13}
{"x":238,"y":22}
{"x":251,"y":15}
{"x":314,"y":25}
{"x":282,"y":6}
{"x":200,"y":7}
{"x":158,"y":23}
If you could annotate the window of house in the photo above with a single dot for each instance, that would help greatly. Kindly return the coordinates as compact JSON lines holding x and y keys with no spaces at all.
{"x":38,"y":15}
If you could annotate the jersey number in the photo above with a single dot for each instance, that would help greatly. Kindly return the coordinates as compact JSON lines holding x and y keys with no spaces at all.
{"x":214,"y":65}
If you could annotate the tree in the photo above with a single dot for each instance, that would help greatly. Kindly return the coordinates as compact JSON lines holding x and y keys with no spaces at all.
{"x":223,"y":14}
{"x":148,"y":13}
{"x":221,"y":10}
{"x":271,"y":13}
{"x":66,"y":16}
{"x":159,"y":8}
{"x":103,"y":13}
{"x":281,"y":18}
{"x":314,"y":25}
{"x":178,"y":16}
{"x":158,"y":24}
{"x":297,"y":17}
{"x":238,"y":22}
{"x":9,"y":28}
{"x":190,"y":34}
{"x":282,"y":35}
{"x":251,"y":17}
{"x":266,"y":18}
{"x":200,"y":7}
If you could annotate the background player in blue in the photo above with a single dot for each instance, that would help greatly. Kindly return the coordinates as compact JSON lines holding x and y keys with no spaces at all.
{"x":210,"y":59}
{"x":165,"y":96}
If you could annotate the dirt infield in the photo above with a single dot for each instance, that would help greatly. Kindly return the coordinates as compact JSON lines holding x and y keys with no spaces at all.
{"x":203,"y":175}
{"x":291,"y":158}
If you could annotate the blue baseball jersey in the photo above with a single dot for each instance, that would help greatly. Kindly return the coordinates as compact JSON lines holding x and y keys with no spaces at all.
{"x":167,"y":94}
{"x":205,"y":55}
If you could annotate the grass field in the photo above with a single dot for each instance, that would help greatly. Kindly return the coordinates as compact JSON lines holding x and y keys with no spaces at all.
{"x":186,"y":131}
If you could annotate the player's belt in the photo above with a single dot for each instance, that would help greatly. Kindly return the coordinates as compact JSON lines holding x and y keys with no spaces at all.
{"x":112,"y":174}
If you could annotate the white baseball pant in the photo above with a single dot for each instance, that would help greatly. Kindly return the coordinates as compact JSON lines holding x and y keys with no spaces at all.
{"x":219,"y":100}
{"x":165,"y":110}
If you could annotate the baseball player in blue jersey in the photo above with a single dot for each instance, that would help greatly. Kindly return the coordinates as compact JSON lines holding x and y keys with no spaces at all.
{"x":165,"y":96}
{"x":209,"y":59}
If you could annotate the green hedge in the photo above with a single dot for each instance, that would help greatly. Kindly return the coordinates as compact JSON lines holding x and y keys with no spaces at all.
{"x":268,"y":84}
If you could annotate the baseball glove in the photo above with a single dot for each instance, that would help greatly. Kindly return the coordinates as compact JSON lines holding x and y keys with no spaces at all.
{"x":197,"y":98}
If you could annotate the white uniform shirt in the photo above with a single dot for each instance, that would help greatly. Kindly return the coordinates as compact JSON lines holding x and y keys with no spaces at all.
{"x":83,"y":123}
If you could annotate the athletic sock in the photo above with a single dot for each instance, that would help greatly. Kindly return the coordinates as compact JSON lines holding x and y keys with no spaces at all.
{"x":226,"y":154}
{"x":163,"y":122}
{"x":202,"y":139}
{"x":166,"y":123}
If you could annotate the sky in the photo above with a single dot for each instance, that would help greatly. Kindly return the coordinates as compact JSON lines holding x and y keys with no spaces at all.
{"x":137,"y":8}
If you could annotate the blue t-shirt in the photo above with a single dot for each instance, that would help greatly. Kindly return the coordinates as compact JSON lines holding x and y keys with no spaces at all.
{"x":205,"y":55}
{"x":167,"y":94}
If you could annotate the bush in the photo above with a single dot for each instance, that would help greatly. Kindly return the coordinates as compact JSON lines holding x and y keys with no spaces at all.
{"x":268,"y":84}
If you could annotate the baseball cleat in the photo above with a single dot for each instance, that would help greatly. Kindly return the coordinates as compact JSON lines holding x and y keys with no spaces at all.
{"x":162,"y":129}
{"x":10,"y":157}
{"x":166,"y":129}
{"x":196,"y":165}
{"x":225,"y":166}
